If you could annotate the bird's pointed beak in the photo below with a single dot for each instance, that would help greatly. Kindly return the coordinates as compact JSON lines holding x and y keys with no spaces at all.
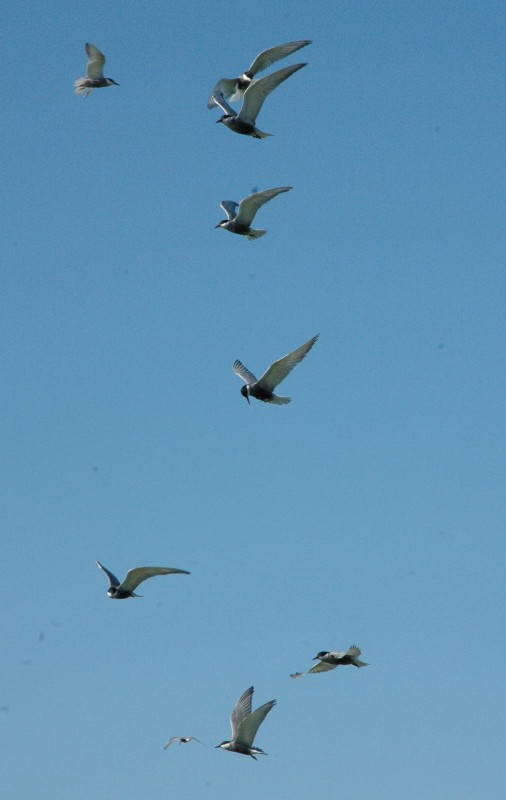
{"x":218,"y":225}
{"x":247,"y":397}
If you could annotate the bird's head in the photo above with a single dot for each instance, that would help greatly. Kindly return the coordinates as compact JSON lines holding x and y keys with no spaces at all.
{"x":222,"y":224}
{"x":222,"y":744}
{"x":112,"y":591}
{"x":223,"y":118}
{"x":245,"y":392}
{"x":321,"y":654}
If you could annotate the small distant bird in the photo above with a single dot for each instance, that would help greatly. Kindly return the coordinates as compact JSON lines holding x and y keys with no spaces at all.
{"x":263,"y":387}
{"x":245,"y":121}
{"x":330,"y":659}
{"x":119,"y":591}
{"x":94,"y":72}
{"x":245,"y":724}
{"x":239,"y":221}
{"x":233,"y":88}
{"x":181,"y":740}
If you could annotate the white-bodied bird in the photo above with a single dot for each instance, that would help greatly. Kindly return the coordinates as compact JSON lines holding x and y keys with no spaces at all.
{"x":181,"y":740}
{"x":233,"y":88}
{"x":263,"y":388}
{"x":119,"y":591}
{"x":94,"y":78}
{"x":330,"y":659}
{"x":244,"y":724}
{"x":245,"y":121}
{"x":240,"y":216}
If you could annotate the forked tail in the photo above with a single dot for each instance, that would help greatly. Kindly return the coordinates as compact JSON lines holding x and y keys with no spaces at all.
{"x":252,"y":234}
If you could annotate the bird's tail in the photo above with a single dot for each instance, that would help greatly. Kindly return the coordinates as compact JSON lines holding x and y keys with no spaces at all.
{"x":81,"y":88}
{"x":279,"y":401}
{"x":261,"y":134}
{"x":252,"y":234}
{"x":358,"y":663}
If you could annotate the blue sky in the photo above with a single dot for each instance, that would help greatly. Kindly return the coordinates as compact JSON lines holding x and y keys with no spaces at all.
{"x":369,"y":510}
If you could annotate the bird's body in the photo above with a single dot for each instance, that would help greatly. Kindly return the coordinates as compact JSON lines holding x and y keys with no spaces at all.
{"x":245,"y":121}
{"x":240,"y":216}
{"x":233,"y":88}
{"x":120,"y":591}
{"x":330,"y":659}
{"x":94,"y":78}
{"x":244,"y":724}
{"x":263,"y":388}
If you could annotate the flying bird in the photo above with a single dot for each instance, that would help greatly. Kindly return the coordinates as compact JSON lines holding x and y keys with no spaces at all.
{"x":245,"y":121}
{"x":241,"y":216}
{"x":330,"y":659}
{"x":181,"y":740}
{"x":233,"y":88}
{"x":262,"y":388}
{"x":94,"y":78}
{"x":245,"y":724}
{"x":133,"y":578}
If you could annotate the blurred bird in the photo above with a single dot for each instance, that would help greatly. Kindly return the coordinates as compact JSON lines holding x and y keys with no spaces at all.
{"x":134,"y":577}
{"x":240,"y":217}
{"x":181,"y":740}
{"x":254,"y":96}
{"x":262,"y":388}
{"x":330,"y":659}
{"x":94,"y":72}
{"x":245,"y":724}
{"x":233,"y":88}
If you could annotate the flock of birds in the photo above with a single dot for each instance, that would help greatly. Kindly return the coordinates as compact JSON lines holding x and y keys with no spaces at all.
{"x":253,"y":92}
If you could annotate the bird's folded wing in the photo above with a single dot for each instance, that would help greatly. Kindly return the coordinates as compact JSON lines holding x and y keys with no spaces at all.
{"x":225,"y":87}
{"x":135,"y":576}
{"x":96,"y":61}
{"x":249,"y":206}
{"x":243,"y":372}
{"x":241,"y":709}
{"x":112,"y":578}
{"x":258,"y":90}
{"x":229,"y":207}
{"x":247,"y":729}
{"x":268,"y":57}
{"x":280,"y":368}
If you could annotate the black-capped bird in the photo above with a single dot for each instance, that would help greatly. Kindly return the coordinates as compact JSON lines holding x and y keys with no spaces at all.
{"x":240,"y":216}
{"x":245,"y":121}
{"x":263,"y":388}
{"x":330,"y":659}
{"x":245,"y":724}
{"x":233,"y":88}
{"x":94,"y":78}
{"x":181,"y":740}
{"x":119,"y":591}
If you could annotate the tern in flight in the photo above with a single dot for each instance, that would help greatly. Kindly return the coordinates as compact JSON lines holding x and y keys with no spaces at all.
{"x":330,"y":659}
{"x":245,"y":724}
{"x":119,"y":591}
{"x":94,"y":78}
{"x":240,"y":216}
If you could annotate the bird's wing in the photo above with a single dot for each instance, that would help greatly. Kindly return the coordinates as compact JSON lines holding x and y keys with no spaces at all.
{"x":243,"y":372}
{"x":247,"y":729}
{"x":96,"y":61}
{"x":229,"y":207}
{"x":219,"y":100}
{"x":139,"y":574}
{"x":249,"y":206}
{"x":112,"y":578}
{"x":241,"y":709}
{"x":352,"y":651}
{"x":225,"y":87}
{"x":280,"y":368}
{"x":268,"y":57}
{"x":172,"y":740}
{"x":322,"y":667}
{"x":258,"y":90}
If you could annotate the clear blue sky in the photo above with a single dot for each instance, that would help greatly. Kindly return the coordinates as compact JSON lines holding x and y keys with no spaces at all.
{"x":370,"y":510}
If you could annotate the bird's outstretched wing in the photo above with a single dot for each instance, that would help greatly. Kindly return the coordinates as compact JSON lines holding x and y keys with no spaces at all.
{"x":225,"y":87}
{"x":96,"y":61}
{"x":241,"y":709}
{"x":268,"y":57}
{"x":258,"y":90}
{"x":280,"y":368}
{"x":112,"y":578}
{"x":135,"y":576}
{"x":321,"y":667}
{"x":247,"y":729}
{"x":229,"y":207}
{"x":219,"y":100}
{"x":352,"y":651}
{"x":249,"y":206}
{"x":243,"y":372}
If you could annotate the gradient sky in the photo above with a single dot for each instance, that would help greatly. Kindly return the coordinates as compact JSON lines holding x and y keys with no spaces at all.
{"x":369,"y":510}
